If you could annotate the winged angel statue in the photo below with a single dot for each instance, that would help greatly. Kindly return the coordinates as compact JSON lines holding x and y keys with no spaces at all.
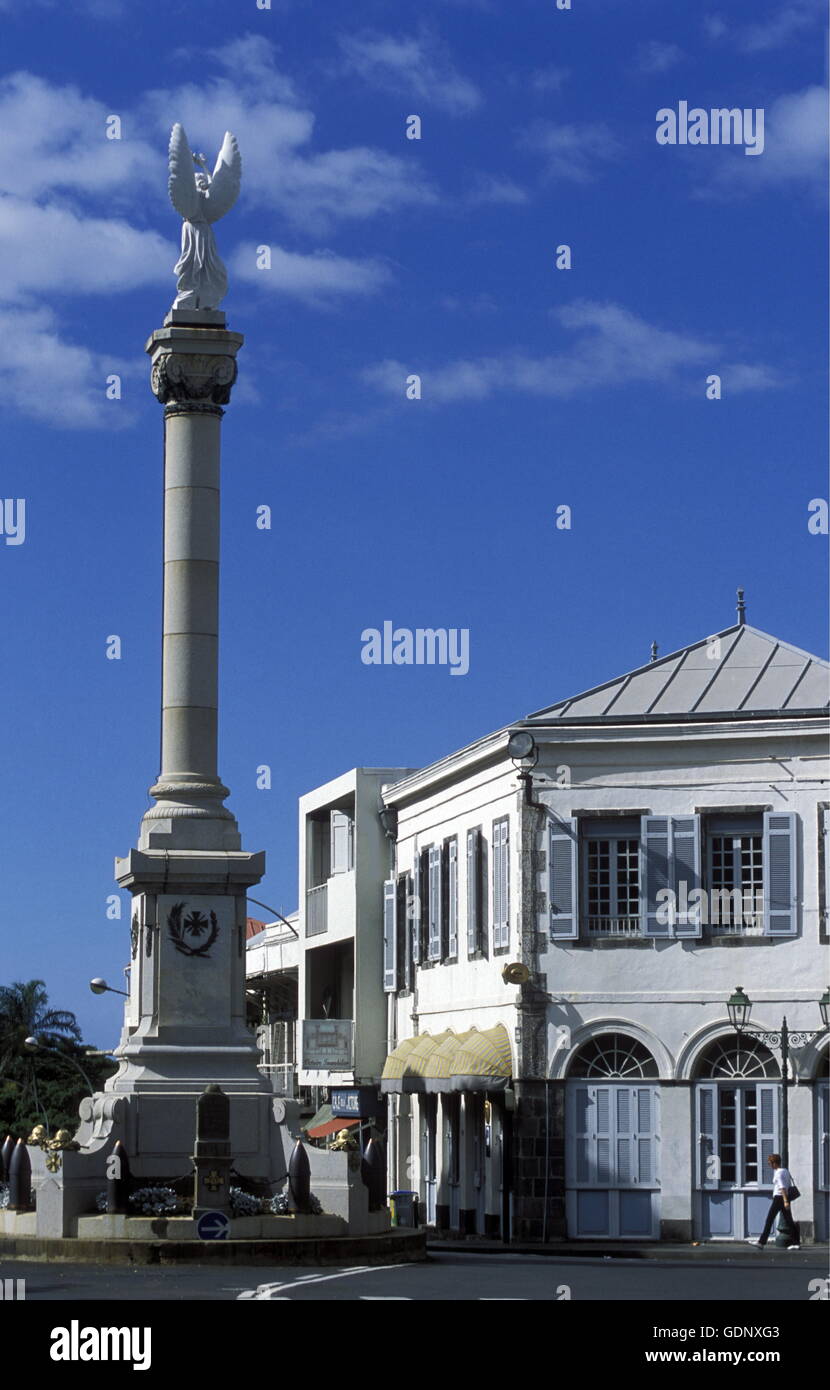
{"x":201,"y":199}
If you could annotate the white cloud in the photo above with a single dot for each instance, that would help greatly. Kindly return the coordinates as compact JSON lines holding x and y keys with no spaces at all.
{"x":493,"y":188}
{"x":784,"y":23}
{"x":571,"y":152}
{"x":54,"y":250}
{"x":548,"y":79}
{"x":411,"y":68}
{"x":795,"y":151}
{"x":611,"y":347}
{"x":315,"y":278}
{"x":657,"y":56}
{"x":56,"y":381}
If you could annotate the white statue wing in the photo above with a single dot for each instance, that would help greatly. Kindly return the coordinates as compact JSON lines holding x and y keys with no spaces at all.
{"x":227,"y":176}
{"x":181,"y":184}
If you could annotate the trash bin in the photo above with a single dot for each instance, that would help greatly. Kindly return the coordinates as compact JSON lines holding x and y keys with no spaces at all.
{"x":403,"y":1207}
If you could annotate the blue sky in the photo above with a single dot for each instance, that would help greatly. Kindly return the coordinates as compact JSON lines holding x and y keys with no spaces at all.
{"x":540,"y":388}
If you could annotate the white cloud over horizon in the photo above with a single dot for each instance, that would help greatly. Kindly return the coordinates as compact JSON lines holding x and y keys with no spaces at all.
{"x":612,"y":347}
{"x":415,"y":67}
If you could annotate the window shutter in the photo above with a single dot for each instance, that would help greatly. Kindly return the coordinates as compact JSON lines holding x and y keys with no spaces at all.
{"x":647,"y":1101}
{"x":563,"y":873}
{"x":501,"y":883}
{"x":707,"y":1134}
{"x":452,"y":898}
{"x":685,"y":850}
{"x":402,"y":935}
{"x":390,"y":935}
{"x":780,"y":917}
{"x":434,"y":903}
{"x":767,"y":1104}
{"x":655,"y":836}
{"x":473,"y":891}
{"x":416,"y":909}
{"x":341,"y":842}
{"x":824,"y":1135}
{"x":825,"y":819}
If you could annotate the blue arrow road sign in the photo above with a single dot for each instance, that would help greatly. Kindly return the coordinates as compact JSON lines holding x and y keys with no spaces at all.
{"x":212,"y":1225}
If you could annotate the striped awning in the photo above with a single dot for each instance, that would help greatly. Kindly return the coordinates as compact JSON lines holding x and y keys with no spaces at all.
{"x":471,"y":1061}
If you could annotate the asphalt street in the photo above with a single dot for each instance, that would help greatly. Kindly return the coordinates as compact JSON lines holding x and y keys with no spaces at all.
{"x":447,"y":1277}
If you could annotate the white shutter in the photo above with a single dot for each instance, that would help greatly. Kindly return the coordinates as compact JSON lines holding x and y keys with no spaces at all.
{"x":434,"y":903}
{"x":824,"y":1135}
{"x":767,"y":1112}
{"x":708,"y":1138}
{"x":416,"y":908}
{"x":452,"y":899}
{"x":685,"y":864}
{"x":501,"y":883}
{"x":826,"y":845}
{"x":390,"y":935}
{"x":563,"y":875}
{"x":473,"y":891}
{"x":779,"y":866}
{"x":341,"y":842}
{"x":656,"y":854}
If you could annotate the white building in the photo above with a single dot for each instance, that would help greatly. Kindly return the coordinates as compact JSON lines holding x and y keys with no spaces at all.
{"x":563,"y":931}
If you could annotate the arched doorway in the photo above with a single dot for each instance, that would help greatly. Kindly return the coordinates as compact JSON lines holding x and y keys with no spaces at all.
{"x":613,"y":1127}
{"x":737,"y":1122}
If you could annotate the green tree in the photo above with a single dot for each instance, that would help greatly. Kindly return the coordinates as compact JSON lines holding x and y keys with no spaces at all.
{"x":42,"y":1087}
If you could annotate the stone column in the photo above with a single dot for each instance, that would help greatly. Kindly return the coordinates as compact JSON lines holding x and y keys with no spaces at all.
{"x":185,"y":1025}
{"x":194,"y":368}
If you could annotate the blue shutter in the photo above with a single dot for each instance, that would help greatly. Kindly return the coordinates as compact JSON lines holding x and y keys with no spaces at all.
{"x":473,"y":891}
{"x":434,"y":903}
{"x":603,"y":1120}
{"x":708,"y":1138}
{"x":780,"y":916}
{"x":767,"y":1109}
{"x":501,"y":884}
{"x":416,"y":908}
{"x":655,"y":841}
{"x":404,"y":945}
{"x":583,"y":1108}
{"x":685,"y":851}
{"x":452,"y":899}
{"x":563,"y":872}
{"x":636,"y":1136}
{"x":390,"y":940}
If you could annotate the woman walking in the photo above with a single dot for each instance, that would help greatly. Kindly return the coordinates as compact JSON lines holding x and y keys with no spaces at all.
{"x":782,"y":1182}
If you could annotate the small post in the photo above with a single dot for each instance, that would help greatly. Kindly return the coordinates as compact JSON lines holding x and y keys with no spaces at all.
{"x":20,"y":1178}
{"x":299,"y":1178}
{"x":118,"y":1180}
{"x":373,"y":1172}
{"x":212,"y":1159}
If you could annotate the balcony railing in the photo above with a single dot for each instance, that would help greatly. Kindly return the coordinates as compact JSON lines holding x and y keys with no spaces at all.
{"x":614,"y":926}
{"x":316,"y":910}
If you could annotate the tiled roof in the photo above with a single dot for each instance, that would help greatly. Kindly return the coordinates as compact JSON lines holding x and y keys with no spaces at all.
{"x":740,"y":671}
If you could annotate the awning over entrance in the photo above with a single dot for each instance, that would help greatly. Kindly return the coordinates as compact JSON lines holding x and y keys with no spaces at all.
{"x":471,"y":1061}
{"x":324,"y":1123}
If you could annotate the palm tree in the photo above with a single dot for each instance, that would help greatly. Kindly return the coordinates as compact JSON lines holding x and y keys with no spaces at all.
{"x":24,"y":1013}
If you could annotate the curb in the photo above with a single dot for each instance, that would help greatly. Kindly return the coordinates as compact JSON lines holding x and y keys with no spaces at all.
{"x":388,"y":1248}
{"x":704,"y":1253}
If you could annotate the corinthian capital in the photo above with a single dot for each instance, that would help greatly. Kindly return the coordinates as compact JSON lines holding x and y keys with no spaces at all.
{"x":185,"y":378}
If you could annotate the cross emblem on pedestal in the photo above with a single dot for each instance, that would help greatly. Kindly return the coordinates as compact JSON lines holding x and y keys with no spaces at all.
{"x":213,"y":1180}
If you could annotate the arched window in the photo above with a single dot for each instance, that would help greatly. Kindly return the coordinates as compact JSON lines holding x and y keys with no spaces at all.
{"x":612,"y":1055}
{"x":729,"y":1059}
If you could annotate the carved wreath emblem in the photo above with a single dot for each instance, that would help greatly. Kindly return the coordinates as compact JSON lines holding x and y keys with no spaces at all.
{"x":186,"y":930}
{"x":134,"y":931}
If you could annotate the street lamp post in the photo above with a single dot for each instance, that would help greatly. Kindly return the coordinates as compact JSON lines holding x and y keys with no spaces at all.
{"x":34,"y":1045}
{"x":739,"y":1007}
